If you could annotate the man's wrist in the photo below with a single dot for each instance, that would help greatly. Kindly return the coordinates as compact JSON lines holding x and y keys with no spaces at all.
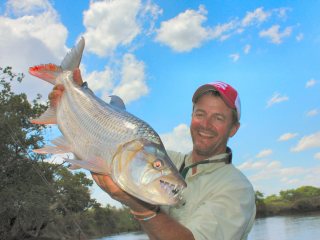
{"x":146,"y":215}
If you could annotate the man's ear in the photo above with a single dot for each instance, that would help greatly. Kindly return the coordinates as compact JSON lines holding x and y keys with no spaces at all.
{"x":234,"y":129}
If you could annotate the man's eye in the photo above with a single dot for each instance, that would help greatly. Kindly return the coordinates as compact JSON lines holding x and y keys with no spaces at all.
{"x":198,"y":115}
{"x":219,"y":118}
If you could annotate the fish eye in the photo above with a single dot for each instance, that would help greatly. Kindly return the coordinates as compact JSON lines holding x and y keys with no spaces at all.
{"x":157,"y":164}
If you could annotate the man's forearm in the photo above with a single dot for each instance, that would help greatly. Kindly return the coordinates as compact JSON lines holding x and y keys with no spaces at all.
{"x":164,"y":227}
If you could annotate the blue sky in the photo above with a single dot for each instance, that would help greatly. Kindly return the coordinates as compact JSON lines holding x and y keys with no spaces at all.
{"x":154,"y":54}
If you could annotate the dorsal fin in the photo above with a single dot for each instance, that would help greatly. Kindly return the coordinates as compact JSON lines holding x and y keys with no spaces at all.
{"x":72,"y":60}
{"x":117,"y":101}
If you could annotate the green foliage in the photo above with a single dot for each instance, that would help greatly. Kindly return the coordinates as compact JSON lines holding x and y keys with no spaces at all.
{"x":100,"y":221}
{"x":22,"y":209}
{"x":302,"y":192}
{"x":272,"y":198}
{"x":73,"y":191}
{"x":305,"y":198}
{"x":39,"y":199}
{"x":259,"y":197}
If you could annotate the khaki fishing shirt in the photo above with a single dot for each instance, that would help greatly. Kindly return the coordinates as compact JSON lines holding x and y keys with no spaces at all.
{"x":220,"y":201}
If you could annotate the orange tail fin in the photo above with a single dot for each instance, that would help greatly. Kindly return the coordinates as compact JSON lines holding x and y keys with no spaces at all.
{"x":48,"y":72}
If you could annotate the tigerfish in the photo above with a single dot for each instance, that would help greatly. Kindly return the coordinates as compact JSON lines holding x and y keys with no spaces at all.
{"x":106,"y":139}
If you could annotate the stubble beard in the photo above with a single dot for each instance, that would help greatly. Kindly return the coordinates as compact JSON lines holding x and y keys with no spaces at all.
{"x":204,"y":151}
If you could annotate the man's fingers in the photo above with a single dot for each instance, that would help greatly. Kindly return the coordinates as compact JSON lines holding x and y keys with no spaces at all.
{"x":107,"y":184}
{"x":77,"y":76}
{"x":55,"y":95}
{"x":103,"y":181}
{"x":59,"y":87}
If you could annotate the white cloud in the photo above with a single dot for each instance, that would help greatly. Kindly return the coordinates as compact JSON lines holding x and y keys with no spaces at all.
{"x":317,"y":156}
{"x":257,"y":16}
{"x":306,"y":142}
{"x":185,"y":31}
{"x":292,"y":171}
{"x":149,"y":14}
{"x":311,"y":83}
{"x":222,"y":31}
{"x":272,"y":177}
{"x":35,"y":21}
{"x":264,"y":153}
{"x":110,"y":24}
{"x":287,"y":136}
{"x":235,"y":57}
{"x":132,"y":84}
{"x":276,"y":98}
{"x":99,"y":81}
{"x":33,"y":35}
{"x":313,"y":112}
{"x":258,"y":165}
{"x":275,"y":35}
{"x":273,"y":165}
{"x":299,"y":37}
{"x":247,"y":48}
{"x":20,"y":8}
{"x":281,"y":12}
{"x":178,"y":140}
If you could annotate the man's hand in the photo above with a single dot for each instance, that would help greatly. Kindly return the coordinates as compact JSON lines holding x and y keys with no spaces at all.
{"x":106,"y":183}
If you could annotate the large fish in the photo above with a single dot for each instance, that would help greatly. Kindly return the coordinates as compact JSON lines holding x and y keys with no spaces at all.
{"x":107,"y":139}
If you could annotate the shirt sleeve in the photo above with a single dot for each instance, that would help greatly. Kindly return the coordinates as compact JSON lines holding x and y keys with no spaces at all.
{"x":224,"y":216}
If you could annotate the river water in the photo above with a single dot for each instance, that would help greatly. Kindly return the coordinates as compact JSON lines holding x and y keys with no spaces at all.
{"x":272,"y":228}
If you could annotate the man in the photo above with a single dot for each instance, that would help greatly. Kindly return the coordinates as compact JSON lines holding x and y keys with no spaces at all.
{"x":219,"y":200}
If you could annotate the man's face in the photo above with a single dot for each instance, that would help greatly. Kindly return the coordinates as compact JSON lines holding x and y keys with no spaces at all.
{"x":211,"y":126}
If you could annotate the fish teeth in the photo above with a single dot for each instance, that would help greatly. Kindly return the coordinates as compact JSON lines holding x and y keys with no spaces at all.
{"x":172,"y":189}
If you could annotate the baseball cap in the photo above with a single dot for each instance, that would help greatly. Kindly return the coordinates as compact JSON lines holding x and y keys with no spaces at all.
{"x":229,"y":95}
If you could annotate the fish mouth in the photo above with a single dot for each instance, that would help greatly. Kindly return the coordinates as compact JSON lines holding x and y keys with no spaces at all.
{"x":172,"y":190}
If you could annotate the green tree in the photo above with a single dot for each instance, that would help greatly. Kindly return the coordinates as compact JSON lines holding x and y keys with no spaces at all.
{"x":299,"y":193}
{"x":33,"y":193}
{"x":73,"y":190}
{"x":259,"y":197}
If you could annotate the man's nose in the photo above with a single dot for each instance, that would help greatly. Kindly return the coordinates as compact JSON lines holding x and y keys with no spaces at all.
{"x":207,"y":122}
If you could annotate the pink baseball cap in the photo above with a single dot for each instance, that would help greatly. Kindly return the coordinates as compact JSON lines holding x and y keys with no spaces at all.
{"x":226,"y":91}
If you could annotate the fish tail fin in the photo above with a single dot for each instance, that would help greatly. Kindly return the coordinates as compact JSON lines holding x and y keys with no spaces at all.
{"x":48,"y":72}
{"x":48,"y":117}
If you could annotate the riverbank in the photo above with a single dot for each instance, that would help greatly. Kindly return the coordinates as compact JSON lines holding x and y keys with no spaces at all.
{"x":280,"y":208}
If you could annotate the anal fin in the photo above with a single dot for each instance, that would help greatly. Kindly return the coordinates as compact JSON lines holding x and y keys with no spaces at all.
{"x":52,"y":150}
{"x":61,"y":146}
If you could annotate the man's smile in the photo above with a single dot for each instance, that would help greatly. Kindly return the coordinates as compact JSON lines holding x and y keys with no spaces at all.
{"x":206,"y":134}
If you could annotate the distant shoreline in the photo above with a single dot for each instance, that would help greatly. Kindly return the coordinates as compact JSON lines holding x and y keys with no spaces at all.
{"x":284,"y":214}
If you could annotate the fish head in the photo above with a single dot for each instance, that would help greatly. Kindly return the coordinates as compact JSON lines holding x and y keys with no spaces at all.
{"x":143,"y":169}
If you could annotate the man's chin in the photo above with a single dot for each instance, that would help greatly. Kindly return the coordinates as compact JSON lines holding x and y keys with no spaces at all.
{"x":203,"y":152}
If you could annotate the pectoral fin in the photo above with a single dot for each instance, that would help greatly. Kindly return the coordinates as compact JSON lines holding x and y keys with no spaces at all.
{"x":96,"y":165}
{"x":48,"y":117}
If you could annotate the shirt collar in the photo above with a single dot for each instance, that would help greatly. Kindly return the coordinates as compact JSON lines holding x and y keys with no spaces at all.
{"x":210,"y":164}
